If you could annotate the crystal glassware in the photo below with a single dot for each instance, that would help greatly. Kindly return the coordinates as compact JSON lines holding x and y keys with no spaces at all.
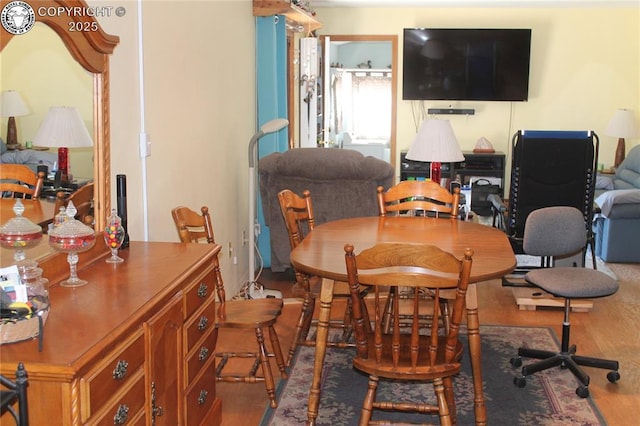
{"x":114,"y":236}
{"x":72,"y":237}
{"x":19,"y":233}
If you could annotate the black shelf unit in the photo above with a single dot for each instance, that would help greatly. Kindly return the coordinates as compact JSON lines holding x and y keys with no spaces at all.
{"x":475,"y":164}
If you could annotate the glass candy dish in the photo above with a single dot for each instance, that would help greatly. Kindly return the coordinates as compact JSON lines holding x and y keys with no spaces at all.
{"x":19,"y":233}
{"x":114,"y":236}
{"x":72,"y":237}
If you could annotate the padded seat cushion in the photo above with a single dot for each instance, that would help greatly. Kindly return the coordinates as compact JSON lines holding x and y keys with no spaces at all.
{"x":573,"y":283}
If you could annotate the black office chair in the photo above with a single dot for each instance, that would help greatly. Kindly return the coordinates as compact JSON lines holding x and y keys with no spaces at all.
{"x":16,"y":391}
{"x":553,"y":232}
{"x":549,"y":168}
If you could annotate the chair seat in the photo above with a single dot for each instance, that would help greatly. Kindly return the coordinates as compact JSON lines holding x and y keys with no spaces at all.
{"x":573,"y":283}
{"x":251,"y":313}
{"x":385,"y":368}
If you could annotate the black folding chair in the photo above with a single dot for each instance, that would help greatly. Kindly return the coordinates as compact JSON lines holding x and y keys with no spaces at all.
{"x":549,"y":168}
{"x":15,"y":391}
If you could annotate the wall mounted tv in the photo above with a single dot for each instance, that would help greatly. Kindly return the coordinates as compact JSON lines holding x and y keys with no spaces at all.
{"x":466,"y":64}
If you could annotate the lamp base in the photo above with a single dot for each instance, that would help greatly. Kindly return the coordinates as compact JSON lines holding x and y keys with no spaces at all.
{"x":12,"y":133}
{"x":620,"y":153}
{"x":63,"y":164}
{"x":436,"y":171}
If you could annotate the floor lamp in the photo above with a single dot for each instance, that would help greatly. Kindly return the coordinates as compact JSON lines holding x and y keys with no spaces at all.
{"x":268,"y":127}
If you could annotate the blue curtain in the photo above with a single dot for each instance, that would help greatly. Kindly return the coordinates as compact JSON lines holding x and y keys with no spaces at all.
{"x":271,"y":82}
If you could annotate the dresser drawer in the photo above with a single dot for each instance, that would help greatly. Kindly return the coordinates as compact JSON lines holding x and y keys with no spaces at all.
{"x":199,"y":324}
{"x":199,"y":292}
{"x":199,"y":357}
{"x":201,"y":396}
{"x":111,"y":373}
{"x":127,"y":409}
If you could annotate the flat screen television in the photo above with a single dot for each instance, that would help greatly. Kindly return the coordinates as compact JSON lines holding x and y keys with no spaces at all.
{"x":466,"y":64}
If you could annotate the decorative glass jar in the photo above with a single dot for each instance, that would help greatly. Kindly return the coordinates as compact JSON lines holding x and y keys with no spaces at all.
{"x":72,"y":236}
{"x":19,"y":233}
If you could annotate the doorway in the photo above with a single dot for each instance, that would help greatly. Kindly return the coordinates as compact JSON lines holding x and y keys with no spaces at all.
{"x":359,"y":93}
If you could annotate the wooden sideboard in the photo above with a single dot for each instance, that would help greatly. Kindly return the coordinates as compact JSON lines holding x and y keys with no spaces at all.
{"x":135,"y":346}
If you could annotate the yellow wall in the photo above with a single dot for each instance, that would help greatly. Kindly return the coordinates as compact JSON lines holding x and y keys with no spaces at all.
{"x":585,"y":63}
{"x":199,"y":76}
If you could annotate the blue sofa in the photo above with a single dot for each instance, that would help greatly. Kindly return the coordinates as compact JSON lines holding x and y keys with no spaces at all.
{"x":617,"y":227}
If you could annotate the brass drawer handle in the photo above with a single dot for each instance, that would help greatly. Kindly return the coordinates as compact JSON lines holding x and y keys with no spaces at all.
{"x":120,"y":371}
{"x":203,"y":397}
{"x":121,"y":415}
{"x":203,"y":290}
{"x":204,"y":354}
{"x":202,"y":324}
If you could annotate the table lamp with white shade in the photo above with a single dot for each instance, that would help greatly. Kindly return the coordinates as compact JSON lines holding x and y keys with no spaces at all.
{"x":63,"y":128}
{"x":435,"y":143}
{"x":12,"y":105}
{"x":622,"y":125}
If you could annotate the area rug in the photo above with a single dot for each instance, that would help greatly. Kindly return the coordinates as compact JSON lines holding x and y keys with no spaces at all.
{"x":547,"y":399}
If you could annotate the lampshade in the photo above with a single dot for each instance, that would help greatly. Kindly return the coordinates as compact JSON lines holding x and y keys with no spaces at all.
{"x":623,"y":124}
{"x":63,"y":126}
{"x":12,"y":104}
{"x":435,"y":141}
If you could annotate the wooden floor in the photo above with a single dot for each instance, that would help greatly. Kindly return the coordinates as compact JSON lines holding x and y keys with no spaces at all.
{"x":610,"y":330}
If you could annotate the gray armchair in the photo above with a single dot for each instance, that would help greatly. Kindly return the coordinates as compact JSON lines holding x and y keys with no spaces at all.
{"x":617,"y":227}
{"x":342,"y":182}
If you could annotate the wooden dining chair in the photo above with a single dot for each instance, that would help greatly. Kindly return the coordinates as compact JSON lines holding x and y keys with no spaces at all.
{"x":82,"y":200}
{"x":408,"y":355}
{"x":299,"y":220}
{"x":254,"y":314}
{"x":419,"y":198}
{"x":19,"y":181}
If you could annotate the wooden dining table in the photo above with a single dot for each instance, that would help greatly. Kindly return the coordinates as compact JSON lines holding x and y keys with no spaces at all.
{"x":321,"y":253}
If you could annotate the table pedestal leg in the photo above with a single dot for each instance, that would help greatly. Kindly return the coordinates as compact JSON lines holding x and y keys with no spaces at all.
{"x":322,"y":335}
{"x":473,"y":329}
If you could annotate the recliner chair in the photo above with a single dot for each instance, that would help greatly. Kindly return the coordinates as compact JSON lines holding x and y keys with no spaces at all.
{"x":553,"y":232}
{"x":549,"y":168}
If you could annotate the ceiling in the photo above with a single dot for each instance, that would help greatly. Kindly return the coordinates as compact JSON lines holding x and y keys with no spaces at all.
{"x":470,"y":3}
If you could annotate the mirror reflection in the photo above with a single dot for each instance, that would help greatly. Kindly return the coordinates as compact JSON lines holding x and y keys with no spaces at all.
{"x":86,"y":58}
{"x":39,"y":67}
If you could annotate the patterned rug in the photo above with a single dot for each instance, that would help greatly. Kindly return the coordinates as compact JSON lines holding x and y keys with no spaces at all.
{"x":548,"y":398}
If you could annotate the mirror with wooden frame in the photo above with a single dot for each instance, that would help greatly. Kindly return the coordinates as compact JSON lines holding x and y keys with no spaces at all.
{"x":90,"y":46}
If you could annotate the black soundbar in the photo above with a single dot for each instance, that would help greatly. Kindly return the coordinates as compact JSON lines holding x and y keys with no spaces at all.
{"x":451,"y":111}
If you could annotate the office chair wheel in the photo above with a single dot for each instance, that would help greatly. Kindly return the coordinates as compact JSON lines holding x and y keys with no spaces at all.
{"x":582,"y":391}
{"x":613,"y":376}
{"x":516,"y":361}
{"x":520,"y":381}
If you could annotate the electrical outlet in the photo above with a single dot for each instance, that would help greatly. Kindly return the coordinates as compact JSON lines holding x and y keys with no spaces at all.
{"x":245,"y":240}
{"x":230,"y":250}
{"x":256,"y":229}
